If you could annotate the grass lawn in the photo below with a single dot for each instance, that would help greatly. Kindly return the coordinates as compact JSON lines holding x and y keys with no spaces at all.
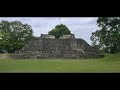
{"x":111,"y":63}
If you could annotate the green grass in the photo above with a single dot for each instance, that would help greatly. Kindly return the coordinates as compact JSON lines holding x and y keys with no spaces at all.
{"x":111,"y":63}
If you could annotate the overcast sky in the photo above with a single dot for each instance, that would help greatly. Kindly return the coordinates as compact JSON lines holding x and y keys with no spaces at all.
{"x":82,"y":27}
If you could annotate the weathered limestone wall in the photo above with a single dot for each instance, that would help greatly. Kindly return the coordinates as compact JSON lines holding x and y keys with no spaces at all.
{"x":57,"y":48}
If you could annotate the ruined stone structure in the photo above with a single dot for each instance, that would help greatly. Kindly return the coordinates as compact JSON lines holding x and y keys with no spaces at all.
{"x":47,"y":46}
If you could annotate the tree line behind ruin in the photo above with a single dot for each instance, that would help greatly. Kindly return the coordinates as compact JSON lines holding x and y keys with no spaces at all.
{"x":14,"y":35}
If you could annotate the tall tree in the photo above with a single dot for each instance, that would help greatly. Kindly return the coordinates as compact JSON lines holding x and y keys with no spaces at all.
{"x":108,"y":37}
{"x":14,"y":35}
{"x":59,"y":30}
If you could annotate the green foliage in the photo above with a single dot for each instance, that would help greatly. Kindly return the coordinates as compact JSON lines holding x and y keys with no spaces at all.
{"x":59,"y":30}
{"x":108,"y":37}
{"x":14,"y":35}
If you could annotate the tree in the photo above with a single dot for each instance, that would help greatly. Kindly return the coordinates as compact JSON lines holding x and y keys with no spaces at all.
{"x":108,"y":37}
{"x":59,"y":30}
{"x":14,"y":35}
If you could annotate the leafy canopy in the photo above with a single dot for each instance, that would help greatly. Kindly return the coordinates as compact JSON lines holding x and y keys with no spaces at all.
{"x":108,"y":37}
{"x":59,"y":30}
{"x":13,"y":35}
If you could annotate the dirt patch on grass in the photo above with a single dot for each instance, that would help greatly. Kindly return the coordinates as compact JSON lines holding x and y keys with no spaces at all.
{"x":4,"y":56}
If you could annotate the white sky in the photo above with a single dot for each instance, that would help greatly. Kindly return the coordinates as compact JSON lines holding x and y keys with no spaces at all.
{"x":82,"y":27}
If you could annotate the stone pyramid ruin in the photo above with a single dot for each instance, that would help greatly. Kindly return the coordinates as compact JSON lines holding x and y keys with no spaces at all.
{"x":47,"y":46}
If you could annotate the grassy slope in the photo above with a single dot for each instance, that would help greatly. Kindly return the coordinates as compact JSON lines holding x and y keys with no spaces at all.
{"x":111,"y":63}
